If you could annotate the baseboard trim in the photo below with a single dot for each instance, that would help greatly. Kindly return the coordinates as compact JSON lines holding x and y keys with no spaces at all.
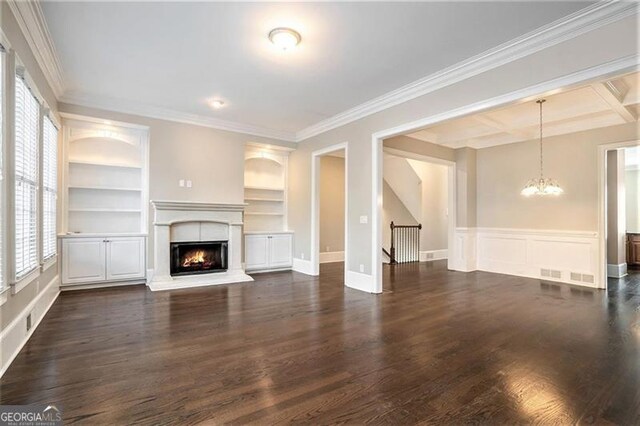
{"x":617,"y":271}
{"x":332,"y":256}
{"x":431,"y":255}
{"x":302,"y":266}
{"x":72,"y":287}
{"x":40,"y":307}
{"x":360,"y":281}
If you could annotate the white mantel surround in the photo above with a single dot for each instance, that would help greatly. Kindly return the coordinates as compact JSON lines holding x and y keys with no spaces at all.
{"x":224,"y":220}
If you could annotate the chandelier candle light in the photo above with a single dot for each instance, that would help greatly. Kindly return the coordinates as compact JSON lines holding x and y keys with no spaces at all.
{"x":541,"y":185}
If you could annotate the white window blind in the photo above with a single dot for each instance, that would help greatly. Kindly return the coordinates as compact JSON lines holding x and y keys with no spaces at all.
{"x":49,"y":187}
{"x":27,"y":118}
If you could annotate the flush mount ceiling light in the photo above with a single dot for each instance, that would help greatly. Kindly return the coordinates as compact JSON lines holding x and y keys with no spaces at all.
{"x":217,"y":103}
{"x":541,"y":185}
{"x":284,"y":38}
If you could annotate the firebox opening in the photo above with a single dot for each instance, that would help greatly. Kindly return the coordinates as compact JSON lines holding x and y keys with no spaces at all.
{"x":198,"y":257}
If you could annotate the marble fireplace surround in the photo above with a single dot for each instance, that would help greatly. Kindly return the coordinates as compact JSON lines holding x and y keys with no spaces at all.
{"x":178,"y":221}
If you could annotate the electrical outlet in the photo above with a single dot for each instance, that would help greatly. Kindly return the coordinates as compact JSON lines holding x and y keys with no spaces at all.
{"x":181,"y":183}
{"x":29,"y":321}
{"x":302,"y":256}
{"x":327,"y":248}
{"x":361,"y":267}
{"x":364,"y":219}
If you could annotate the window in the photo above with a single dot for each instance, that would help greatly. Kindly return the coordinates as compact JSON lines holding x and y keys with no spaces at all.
{"x":2,"y":180}
{"x":49,"y":187}
{"x":27,"y":118}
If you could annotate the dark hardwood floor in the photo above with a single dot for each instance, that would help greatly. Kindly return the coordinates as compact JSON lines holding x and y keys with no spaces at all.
{"x":436,"y":347}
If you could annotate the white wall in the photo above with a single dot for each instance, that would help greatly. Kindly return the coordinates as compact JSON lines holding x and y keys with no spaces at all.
{"x":405,"y":183}
{"x":434,"y":199}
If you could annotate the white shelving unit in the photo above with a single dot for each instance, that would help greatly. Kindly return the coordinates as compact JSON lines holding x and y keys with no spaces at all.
{"x":268,"y":242}
{"x":104,"y":200}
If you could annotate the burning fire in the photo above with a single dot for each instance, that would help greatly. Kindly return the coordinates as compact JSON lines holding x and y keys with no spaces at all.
{"x":194,"y":258}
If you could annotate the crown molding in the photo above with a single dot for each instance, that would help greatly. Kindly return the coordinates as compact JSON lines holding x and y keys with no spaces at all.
{"x":31,"y":21}
{"x":145,"y":110}
{"x":580,"y":22}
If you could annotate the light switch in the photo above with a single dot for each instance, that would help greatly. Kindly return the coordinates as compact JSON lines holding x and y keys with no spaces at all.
{"x":189,"y":184}
{"x":181,"y":182}
{"x":364,"y":219}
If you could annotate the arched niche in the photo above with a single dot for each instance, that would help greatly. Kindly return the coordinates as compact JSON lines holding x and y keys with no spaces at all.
{"x":263,"y":172}
{"x":101,"y":149}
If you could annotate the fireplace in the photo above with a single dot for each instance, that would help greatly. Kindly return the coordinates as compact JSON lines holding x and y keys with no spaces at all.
{"x":198,"y":257}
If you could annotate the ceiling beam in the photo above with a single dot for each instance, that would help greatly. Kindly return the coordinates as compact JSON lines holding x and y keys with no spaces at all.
{"x":613,"y":94}
{"x":495,"y":124}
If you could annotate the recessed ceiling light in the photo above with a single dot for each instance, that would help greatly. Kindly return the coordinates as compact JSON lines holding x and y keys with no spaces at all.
{"x":217,"y":103}
{"x":284,"y":38}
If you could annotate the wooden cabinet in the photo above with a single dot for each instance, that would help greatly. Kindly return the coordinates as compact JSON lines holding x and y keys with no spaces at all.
{"x":266,"y":251}
{"x":88,"y":260}
{"x":633,"y":249}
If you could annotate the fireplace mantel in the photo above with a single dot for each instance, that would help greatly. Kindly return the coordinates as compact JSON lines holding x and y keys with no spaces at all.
{"x":171,"y":213}
{"x":196,"y":205}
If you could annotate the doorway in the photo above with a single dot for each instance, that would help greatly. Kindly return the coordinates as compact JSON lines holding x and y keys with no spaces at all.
{"x":622,"y":205}
{"x":329,"y":237}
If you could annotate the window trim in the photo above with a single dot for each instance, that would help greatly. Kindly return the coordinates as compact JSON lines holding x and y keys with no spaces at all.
{"x":45,"y":114}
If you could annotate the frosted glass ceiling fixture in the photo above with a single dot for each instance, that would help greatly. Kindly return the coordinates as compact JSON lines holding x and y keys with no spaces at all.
{"x":541,"y":185}
{"x":284,"y":38}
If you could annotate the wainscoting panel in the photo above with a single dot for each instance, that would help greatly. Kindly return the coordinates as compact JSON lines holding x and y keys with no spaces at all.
{"x":569,"y":257}
{"x":15,"y":335}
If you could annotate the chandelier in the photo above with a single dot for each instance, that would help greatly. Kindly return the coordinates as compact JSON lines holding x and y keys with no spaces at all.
{"x":541,"y":185}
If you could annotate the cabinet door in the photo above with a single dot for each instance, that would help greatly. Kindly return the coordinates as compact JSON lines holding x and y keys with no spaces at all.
{"x":280,"y":255}
{"x":83,"y":260}
{"x":125,"y":258}
{"x":256,"y":252}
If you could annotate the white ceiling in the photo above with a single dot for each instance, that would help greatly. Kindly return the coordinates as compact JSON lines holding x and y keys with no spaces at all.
{"x":603,"y":104}
{"x":178,"y":55}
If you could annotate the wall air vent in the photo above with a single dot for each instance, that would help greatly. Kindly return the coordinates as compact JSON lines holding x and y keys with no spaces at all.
{"x":588,"y":278}
{"x":545,"y":272}
{"x":585,"y":278}
{"x":556,"y":274}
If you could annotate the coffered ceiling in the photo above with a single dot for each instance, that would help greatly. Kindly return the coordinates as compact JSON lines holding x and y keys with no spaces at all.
{"x":173,"y":57}
{"x":602,"y":104}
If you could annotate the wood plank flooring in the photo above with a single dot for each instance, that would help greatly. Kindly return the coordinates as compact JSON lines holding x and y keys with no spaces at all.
{"x":436,"y":347}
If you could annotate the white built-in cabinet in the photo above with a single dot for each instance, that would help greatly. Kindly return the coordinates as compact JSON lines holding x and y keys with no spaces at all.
{"x":268,"y":251}
{"x":104,"y":201}
{"x":268,"y":242}
{"x":102,"y":260}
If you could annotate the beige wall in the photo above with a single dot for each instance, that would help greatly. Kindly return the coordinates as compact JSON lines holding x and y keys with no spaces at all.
{"x":616,"y":253}
{"x":331,"y":204}
{"x":571,"y":159}
{"x":632,"y":191}
{"x":16,"y":303}
{"x":212,"y":159}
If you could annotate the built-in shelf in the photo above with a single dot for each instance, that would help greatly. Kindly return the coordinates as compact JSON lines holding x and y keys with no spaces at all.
{"x":275,"y":200}
{"x":105,"y":188}
{"x":97,"y":164}
{"x":263,"y":214}
{"x":264,"y":188}
{"x":104,"y":177}
{"x":106,"y":210}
